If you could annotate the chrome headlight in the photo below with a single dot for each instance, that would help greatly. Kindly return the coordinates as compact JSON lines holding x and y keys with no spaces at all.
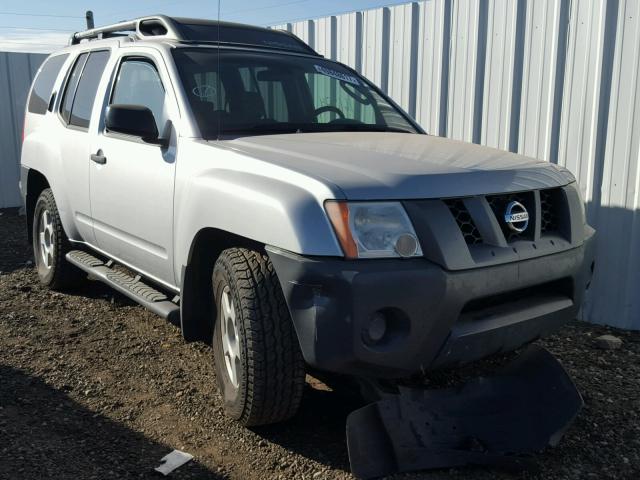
{"x":373,"y":229}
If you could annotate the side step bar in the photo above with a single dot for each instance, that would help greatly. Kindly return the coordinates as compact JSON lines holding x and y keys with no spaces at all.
{"x":147,"y":296}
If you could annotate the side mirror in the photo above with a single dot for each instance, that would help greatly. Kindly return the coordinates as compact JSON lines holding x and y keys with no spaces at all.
{"x":133,"y":120}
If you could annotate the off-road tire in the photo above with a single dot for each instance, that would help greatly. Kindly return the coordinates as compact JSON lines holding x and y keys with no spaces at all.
{"x":61,"y":275}
{"x":272,"y":375}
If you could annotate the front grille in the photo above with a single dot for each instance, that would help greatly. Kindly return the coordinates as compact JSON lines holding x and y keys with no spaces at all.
{"x":468,"y":232}
{"x":466,"y":224}
{"x":549,"y":207}
{"x":499,"y":203}
{"x":552,"y":213}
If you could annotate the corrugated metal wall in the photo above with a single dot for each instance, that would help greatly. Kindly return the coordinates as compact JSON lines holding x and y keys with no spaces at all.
{"x":554,"y":79}
{"x":16,"y":73}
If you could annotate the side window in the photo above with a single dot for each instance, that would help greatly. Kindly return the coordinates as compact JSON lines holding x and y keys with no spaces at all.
{"x":138,"y":83}
{"x":87,"y":89}
{"x":72,"y":84}
{"x":43,"y":85}
{"x":81,"y":88}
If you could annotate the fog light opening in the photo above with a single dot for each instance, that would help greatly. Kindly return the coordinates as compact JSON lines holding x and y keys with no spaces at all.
{"x":385,"y":328}
{"x":376,"y":328}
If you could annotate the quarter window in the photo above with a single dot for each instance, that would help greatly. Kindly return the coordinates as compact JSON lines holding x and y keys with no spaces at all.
{"x":43,"y":85}
{"x":138,"y":83}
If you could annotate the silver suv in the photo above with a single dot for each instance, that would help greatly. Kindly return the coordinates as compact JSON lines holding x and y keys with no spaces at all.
{"x":281,"y":207}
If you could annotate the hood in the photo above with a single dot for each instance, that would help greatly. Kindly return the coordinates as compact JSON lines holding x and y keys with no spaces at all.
{"x":388,"y":166}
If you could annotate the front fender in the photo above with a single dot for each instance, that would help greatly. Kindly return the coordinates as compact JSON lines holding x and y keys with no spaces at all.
{"x":258,"y":207}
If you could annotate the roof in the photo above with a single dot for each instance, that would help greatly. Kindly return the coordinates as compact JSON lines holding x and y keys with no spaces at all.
{"x":197,"y":31}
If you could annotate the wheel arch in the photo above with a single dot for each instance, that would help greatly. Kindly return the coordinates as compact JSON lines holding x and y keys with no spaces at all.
{"x":36,"y":183}
{"x":196,"y":300}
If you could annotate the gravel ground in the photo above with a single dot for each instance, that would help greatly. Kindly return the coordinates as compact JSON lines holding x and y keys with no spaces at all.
{"x":93,"y":386}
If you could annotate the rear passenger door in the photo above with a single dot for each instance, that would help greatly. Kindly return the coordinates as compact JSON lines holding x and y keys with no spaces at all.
{"x":132,"y":190}
{"x":75,"y":110}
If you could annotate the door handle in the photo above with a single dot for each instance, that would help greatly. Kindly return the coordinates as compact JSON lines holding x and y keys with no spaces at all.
{"x":98,"y":157}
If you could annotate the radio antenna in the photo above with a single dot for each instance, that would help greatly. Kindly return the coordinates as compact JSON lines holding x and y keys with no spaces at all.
{"x":218,"y":86}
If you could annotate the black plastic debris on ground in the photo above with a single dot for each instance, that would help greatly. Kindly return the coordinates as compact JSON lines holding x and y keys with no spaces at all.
{"x":494,"y":420}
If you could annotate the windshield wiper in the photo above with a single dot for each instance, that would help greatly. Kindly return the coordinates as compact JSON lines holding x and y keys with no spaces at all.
{"x":370,"y":128}
{"x":264,"y":128}
{"x":277,"y":128}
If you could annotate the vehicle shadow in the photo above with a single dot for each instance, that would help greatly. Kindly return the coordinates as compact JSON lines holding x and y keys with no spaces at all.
{"x":46,"y":434}
{"x":321,"y":421}
{"x":15,"y":250}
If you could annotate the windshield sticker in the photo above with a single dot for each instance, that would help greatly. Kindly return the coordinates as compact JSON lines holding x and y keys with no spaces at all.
{"x":335,"y":74}
{"x":204,"y":91}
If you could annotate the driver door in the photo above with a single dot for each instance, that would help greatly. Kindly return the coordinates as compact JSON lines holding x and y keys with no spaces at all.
{"x":132,"y":183}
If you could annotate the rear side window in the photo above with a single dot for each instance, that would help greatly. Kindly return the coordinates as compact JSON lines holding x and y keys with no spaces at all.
{"x":87,"y":88}
{"x":80,"y":94}
{"x":72,"y":84}
{"x":43,"y":85}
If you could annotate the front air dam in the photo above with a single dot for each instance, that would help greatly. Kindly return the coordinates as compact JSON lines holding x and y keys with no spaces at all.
{"x":492,"y":421}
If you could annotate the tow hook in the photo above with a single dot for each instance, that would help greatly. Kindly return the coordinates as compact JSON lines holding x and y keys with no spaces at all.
{"x":492,"y":421}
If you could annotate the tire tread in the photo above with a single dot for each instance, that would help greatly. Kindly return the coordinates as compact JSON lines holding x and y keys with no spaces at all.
{"x":65,"y":275}
{"x":274,"y":365}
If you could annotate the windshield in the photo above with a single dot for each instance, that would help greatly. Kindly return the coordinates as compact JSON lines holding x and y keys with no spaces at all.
{"x":248,"y":93}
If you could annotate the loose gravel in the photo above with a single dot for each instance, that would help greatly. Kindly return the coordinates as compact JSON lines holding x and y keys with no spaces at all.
{"x":93,"y":386}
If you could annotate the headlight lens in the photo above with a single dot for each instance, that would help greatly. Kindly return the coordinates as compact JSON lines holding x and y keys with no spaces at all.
{"x":373,"y":229}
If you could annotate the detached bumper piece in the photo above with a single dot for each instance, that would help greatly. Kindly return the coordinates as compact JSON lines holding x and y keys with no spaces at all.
{"x":487,"y":421}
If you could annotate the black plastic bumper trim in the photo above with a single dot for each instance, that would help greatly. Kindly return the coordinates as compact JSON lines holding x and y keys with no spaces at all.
{"x":331,"y":301}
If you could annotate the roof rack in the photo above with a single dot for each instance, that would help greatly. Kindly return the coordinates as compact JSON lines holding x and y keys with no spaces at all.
{"x":197,"y":31}
{"x":156,"y":26}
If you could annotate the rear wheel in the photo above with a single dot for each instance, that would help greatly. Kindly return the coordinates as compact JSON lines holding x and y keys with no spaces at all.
{"x":259,"y":366}
{"x":50,"y":245}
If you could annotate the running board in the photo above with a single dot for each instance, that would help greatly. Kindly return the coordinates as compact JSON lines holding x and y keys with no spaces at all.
{"x":147,"y":296}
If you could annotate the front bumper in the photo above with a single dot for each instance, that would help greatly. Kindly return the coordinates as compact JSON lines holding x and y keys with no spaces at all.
{"x":434,"y":317}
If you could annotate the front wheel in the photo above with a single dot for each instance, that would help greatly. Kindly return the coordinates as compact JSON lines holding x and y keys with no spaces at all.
{"x":50,"y":245}
{"x":259,"y":365}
